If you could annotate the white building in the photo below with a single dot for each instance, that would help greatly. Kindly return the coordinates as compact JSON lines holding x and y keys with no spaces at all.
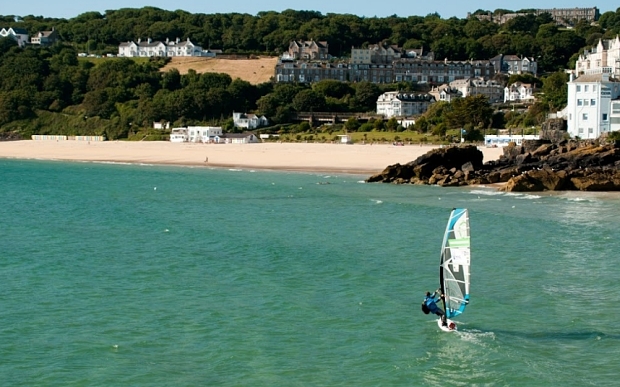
{"x":151,"y":48}
{"x":519,"y":92}
{"x":161,"y":125}
{"x":398,"y":104}
{"x":240,"y":138}
{"x":492,"y":89}
{"x":204,"y":134}
{"x":605,"y":57}
{"x":501,"y":140}
{"x":345,"y":139}
{"x":19,"y":34}
{"x":249,"y":121}
{"x":406,"y":122}
{"x":593,"y":106}
{"x":179,"y":135}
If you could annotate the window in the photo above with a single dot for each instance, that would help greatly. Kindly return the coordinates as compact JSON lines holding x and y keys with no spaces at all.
{"x":580,"y":130}
{"x":586,"y":102}
{"x":604,"y":116}
{"x":593,"y":87}
{"x":578,"y":88}
{"x":592,"y":102}
{"x":579,"y":102}
{"x":590,"y":130}
{"x":584,"y":116}
{"x":585,"y":88}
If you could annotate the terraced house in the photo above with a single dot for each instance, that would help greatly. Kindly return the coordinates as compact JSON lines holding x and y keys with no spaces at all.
{"x":379,"y":64}
{"x":155,"y":48}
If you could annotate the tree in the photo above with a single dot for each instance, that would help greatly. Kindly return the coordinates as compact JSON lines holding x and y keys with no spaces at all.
{"x":309,"y":101}
{"x":440,"y":130}
{"x":333,"y":88}
{"x":365,"y":98}
{"x":267,"y":105}
{"x":473,"y":110}
{"x":555,"y":90}
{"x":391,"y":124}
{"x":352,"y":124}
{"x":421,"y":125}
{"x":171,"y":80}
{"x":6,"y":44}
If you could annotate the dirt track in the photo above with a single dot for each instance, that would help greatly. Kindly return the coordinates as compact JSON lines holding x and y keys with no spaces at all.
{"x":254,"y":71}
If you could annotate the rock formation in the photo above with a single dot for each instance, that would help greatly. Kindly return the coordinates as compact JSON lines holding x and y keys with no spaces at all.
{"x":535,"y":166}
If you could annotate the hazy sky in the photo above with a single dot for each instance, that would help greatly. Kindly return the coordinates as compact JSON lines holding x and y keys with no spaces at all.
{"x":446,"y":8}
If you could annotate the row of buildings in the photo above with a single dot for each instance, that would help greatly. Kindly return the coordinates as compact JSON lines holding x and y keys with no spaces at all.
{"x":562,"y":16}
{"x":210,"y":135}
{"x":168,"y":48}
{"x":517,"y":92}
{"x":23,"y":38}
{"x":403,"y":105}
{"x":309,"y":62}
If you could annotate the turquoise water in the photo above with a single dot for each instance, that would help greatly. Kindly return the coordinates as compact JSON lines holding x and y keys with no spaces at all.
{"x":154,"y":276}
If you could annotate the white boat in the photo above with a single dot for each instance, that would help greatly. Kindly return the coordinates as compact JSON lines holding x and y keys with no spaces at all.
{"x":454,"y":267}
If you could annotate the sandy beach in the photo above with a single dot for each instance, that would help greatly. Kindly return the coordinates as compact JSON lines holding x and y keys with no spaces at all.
{"x":355,"y":159}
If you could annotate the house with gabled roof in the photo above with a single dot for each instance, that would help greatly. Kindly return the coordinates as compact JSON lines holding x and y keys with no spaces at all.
{"x":308,"y":50}
{"x":519,"y":92}
{"x":45,"y":38}
{"x":249,"y":121}
{"x":445,"y":93}
{"x":490,"y":88}
{"x":375,"y":54}
{"x":514,"y":64}
{"x":604,"y":57}
{"x":20,"y":35}
{"x":419,"y":53}
{"x":385,"y":54}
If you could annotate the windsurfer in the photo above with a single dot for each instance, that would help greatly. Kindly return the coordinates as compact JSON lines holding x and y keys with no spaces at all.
{"x":430,"y":305}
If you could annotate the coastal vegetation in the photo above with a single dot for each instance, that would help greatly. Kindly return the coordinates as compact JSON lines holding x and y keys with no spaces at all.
{"x":53,"y":91}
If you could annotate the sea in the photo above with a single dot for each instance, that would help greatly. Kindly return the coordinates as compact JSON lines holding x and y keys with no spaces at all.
{"x":147,"y":275}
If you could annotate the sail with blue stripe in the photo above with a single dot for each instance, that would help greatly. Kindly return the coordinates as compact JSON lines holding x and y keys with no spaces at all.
{"x":454,"y":267}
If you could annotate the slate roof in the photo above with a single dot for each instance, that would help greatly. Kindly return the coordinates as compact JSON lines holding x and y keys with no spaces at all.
{"x":587,"y":78}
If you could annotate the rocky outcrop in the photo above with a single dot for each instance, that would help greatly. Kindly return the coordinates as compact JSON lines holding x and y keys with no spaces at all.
{"x":10,"y":136}
{"x":536,"y":166}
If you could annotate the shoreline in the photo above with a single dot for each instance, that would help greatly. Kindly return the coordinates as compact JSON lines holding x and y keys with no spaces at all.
{"x":355,"y":159}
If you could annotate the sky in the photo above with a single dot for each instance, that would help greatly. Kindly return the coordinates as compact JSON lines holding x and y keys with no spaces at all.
{"x":368,"y":8}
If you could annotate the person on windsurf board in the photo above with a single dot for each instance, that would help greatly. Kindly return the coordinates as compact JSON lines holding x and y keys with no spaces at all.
{"x":429,"y":305}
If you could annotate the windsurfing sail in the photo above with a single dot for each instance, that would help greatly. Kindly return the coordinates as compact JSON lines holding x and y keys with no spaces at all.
{"x":454,"y":267}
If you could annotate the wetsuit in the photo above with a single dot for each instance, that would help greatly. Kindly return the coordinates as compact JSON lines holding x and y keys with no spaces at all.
{"x":431,"y":304}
